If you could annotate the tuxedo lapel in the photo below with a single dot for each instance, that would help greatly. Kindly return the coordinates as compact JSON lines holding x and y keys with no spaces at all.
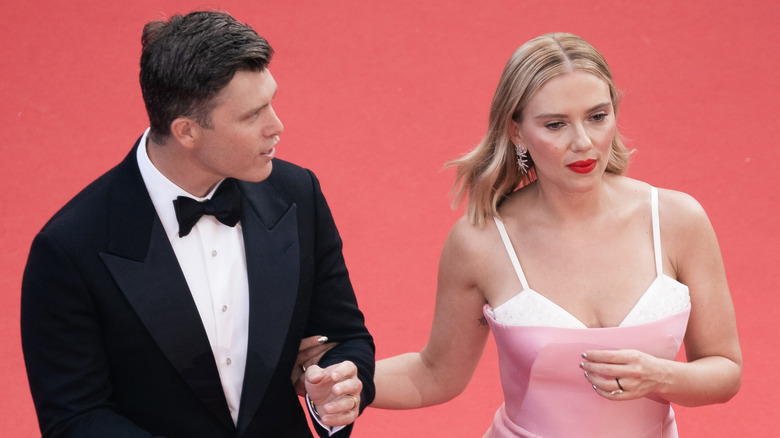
{"x":270,"y":230}
{"x":143,"y":263}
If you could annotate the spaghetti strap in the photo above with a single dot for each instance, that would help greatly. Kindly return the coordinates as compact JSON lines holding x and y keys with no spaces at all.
{"x":659,"y":267}
{"x":511,"y":250}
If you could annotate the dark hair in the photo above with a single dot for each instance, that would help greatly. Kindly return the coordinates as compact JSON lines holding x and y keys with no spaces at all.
{"x":188,"y":60}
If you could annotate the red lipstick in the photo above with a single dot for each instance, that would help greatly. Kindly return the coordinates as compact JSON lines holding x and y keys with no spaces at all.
{"x":583,"y":166}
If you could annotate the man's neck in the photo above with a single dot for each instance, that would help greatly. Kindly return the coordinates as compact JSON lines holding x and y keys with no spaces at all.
{"x":177,"y":164}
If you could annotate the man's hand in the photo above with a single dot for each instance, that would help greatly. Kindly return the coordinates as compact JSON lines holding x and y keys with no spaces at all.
{"x":334,"y":392}
{"x":309,"y":353}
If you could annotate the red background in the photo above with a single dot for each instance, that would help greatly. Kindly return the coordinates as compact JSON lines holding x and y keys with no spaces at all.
{"x":375,"y":97}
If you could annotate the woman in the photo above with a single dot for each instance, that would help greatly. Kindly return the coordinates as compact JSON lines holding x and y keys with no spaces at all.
{"x":589,"y":280}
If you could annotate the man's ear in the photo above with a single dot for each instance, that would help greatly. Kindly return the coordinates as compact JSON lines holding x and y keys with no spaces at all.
{"x":186,"y":131}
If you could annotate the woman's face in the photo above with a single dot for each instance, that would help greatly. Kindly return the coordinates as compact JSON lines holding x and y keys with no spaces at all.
{"x":568,"y":127}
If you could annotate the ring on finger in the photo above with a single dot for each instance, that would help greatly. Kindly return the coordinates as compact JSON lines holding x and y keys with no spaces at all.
{"x":303,"y":368}
{"x":619,"y":389}
{"x":354,"y":401}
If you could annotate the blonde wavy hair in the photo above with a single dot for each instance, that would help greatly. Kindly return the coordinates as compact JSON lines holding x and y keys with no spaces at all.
{"x":489,"y":173}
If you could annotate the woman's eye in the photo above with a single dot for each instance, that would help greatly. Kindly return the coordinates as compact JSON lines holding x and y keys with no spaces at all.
{"x":599,"y":117}
{"x":554,"y":125}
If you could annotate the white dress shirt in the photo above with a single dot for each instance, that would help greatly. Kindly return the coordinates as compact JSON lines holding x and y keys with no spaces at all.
{"x":213,"y":261}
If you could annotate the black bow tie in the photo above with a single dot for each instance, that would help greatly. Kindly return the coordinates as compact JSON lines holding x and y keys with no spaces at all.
{"x":225,"y":205}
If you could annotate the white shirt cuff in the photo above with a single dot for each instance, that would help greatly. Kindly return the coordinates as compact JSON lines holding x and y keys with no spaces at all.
{"x":316,"y":416}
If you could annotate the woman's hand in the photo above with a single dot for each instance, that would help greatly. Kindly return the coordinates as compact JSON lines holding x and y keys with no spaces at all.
{"x":309,"y":353}
{"x":624,"y":374}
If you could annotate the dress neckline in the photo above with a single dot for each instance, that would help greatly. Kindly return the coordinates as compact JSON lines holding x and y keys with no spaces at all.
{"x":558,"y":308}
{"x":644,"y":298}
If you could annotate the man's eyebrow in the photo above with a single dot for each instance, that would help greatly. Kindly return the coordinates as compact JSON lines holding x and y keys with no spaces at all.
{"x":258,"y":108}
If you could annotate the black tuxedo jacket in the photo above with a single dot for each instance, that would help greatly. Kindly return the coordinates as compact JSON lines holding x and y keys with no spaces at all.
{"x":114,"y":345}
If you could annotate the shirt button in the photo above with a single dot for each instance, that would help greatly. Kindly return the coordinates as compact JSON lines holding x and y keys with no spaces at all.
{"x":224,"y":308}
{"x":228,"y":361}
{"x":214,"y":253}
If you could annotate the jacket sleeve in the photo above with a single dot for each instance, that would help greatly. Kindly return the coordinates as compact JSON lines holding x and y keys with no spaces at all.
{"x":334,"y":309}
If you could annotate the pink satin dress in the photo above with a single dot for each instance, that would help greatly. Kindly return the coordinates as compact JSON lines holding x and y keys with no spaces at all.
{"x":540,"y":346}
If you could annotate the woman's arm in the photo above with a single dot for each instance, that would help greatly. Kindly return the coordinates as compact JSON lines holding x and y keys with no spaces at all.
{"x":444,"y":367}
{"x":714,"y":370}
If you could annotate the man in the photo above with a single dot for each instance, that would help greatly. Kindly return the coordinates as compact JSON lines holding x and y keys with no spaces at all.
{"x":146,"y":313}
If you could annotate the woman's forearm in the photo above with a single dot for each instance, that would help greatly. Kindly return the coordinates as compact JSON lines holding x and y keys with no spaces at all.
{"x":406,"y":381}
{"x":708,"y":380}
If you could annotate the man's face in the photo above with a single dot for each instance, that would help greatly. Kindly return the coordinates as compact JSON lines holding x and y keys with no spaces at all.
{"x":244,"y":130}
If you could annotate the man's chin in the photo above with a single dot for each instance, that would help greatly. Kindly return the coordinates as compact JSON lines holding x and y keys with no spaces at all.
{"x":264,"y":173}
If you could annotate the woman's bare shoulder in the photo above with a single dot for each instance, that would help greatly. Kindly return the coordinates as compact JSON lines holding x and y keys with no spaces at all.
{"x":469,"y":246}
{"x":680,"y":210}
{"x":676,"y":208}
{"x":471,"y":238}
{"x":686,"y":231}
